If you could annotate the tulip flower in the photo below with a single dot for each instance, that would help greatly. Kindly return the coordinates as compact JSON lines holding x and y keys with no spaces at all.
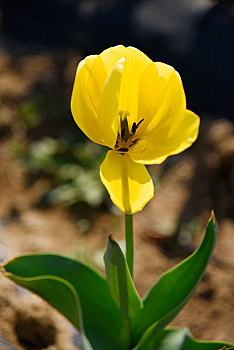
{"x":137,"y":108}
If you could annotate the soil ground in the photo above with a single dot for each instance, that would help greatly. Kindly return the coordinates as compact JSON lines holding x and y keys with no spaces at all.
{"x":169,"y":228}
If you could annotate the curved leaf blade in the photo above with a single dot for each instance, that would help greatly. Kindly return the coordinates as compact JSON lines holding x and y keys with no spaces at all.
{"x":120,"y":282}
{"x":181,"y":339}
{"x":101,"y":317}
{"x":54,"y":290}
{"x":165,"y":299}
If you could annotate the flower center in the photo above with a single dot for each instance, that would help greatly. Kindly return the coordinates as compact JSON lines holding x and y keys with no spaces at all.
{"x":126,"y":137}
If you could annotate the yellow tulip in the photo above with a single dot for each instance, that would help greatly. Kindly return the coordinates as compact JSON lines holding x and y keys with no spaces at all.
{"x":136,"y":107}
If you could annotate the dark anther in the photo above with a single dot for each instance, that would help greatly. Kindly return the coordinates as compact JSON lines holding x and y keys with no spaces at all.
{"x":136,"y":126}
{"x":122,"y":149}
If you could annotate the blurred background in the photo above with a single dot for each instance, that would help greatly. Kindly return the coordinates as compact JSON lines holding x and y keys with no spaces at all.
{"x":51,"y":196}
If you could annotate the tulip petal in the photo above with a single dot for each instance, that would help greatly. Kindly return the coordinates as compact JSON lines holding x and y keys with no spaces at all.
{"x":134,"y":62}
{"x":174,"y":101}
{"x":168,"y":139}
{"x":134,"y":65}
{"x":82,"y":109}
{"x":108,"y":114}
{"x":129,"y":184}
{"x":96,"y":82}
{"x":173,"y":128}
{"x":112,"y":55}
{"x":152,"y":92}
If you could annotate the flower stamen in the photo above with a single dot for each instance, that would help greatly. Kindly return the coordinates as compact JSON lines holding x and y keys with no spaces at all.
{"x":133,"y":142}
{"x":126,"y":138}
{"x":124,"y":125}
{"x":136,"y":126}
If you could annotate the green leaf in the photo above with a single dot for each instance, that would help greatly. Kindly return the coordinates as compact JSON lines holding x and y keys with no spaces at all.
{"x":173,"y":290}
{"x":54,"y":290}
{"x":119,"y":281}
{"x":101,"y":317}
{"x":180,"y":339}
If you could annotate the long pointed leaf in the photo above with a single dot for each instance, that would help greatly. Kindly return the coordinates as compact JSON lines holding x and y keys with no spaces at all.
{"x":119,"y":281}
{"x":180,"y":339}
{"x":173,"y":289}
{"x":121,"y":287}
{"x":54,"y":290}
{"x":101,"y":317}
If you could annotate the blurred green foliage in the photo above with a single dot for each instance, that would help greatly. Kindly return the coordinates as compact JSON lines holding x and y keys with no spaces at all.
{"x":73,"y":167}
{"x":70,"y":163}
{"x":29,"y":114}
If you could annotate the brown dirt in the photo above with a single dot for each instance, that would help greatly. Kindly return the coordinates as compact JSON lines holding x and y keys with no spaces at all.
{"x":192,"y":185}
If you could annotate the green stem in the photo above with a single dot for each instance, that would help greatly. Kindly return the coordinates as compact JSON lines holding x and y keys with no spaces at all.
{"x":129,"y":242}
{"x":127,"y":332}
